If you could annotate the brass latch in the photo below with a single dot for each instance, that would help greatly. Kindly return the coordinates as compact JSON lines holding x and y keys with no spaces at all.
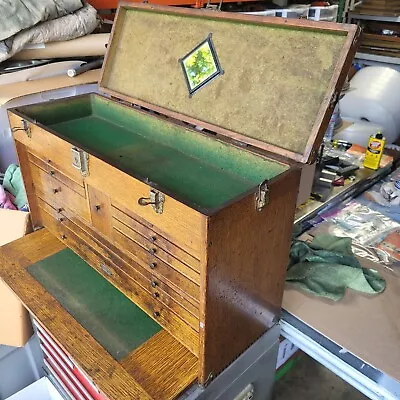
{"x":262,"y":196}
{"x":24,"y":127}
{"x":156,"y":200}
{"x":80,"y":160}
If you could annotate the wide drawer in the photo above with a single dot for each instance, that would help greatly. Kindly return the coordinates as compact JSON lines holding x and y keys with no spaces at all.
{"x":153,"y":299}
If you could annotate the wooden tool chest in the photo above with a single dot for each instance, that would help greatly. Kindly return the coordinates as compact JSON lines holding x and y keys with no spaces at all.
{"x":192,"y":224}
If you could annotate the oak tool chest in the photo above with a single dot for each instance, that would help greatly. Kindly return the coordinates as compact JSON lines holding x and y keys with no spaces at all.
{"x":178,"y":188}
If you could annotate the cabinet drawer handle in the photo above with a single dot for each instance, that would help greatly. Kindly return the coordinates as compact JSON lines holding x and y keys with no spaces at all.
{"x":55,"y":191}
{"x":156,"y":295}
{"x":153,"y":239}
{"x":97,"y":207}
{"x":52,"y":173}
{"x":152,"y":251}
{"x":156,"y":314}
{"x":106,"y":269}
{"x":153,"y":265}
{"x":154,"y":284}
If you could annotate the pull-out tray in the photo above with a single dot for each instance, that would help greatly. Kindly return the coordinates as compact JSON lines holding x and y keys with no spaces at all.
{"x":145,"y":363}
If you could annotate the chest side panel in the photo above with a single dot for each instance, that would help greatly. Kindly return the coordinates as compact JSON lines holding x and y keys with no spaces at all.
{"x":244,"y":276}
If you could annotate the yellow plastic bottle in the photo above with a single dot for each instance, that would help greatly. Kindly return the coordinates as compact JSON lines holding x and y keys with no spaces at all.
{"x":374,"y":151}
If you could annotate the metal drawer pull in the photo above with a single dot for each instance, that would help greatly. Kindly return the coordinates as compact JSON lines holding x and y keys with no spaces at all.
{"x":56,"y":190}
{"x":97,"y":207}
{"x":52,"y":173}
{"x":153,"y":239}
{"x":156,"y":314}
{"x":156,"y":200}
{"x":156,"y":295}
{"x":63,"y":237}
{"x":153,"y":265}
{"x":60,"y":210}
{"x":154,"y":284}
{"x":152,"y":251}
{"x":106,"y":269}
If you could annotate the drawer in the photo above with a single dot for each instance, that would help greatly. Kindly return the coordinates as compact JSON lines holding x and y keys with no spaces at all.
{"x":143,"y":233}
{"x":170,"y":316}
{"x":159,"y":263}
{"x":56,"y":193}
{"x":56,"y":151}
{"x":53,"y":170}
{"x":150,"y":252}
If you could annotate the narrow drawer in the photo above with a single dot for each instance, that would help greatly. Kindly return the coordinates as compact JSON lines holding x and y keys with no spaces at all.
{"x":53,"y":170}
{"x":56,"y":193}
{"x":165,"y":267}
{"x":143,"y":233}
{"x":150,"y":252}
{"x":100,"y":259}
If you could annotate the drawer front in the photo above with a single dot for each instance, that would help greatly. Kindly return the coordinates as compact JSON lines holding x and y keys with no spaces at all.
{"x":158,"y":261}
{"x":56,"y":193}
{"x":146,"y":233}
{"x":53,"y":170}
{"x":115,"y":271}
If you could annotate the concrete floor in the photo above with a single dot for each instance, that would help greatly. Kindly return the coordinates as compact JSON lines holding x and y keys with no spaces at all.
{"x":309,"y":380}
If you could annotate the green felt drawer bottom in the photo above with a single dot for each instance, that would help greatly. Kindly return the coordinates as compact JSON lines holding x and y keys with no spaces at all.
{"x":111,"y":318}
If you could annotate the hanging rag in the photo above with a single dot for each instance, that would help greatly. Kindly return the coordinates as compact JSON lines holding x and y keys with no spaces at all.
{"x":14,"y":184}
{"x":327,"y":266}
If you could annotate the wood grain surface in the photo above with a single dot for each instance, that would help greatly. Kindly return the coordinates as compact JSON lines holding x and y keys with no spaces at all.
{"x":172,"y":366}
{"x":243,"y":279}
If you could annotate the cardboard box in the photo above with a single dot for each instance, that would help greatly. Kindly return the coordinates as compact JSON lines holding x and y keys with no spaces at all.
{"x":15,"y":326}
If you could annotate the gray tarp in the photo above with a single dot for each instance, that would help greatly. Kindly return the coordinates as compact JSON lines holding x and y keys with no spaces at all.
{"x":79,"y":23}
{"x":16,"y":15}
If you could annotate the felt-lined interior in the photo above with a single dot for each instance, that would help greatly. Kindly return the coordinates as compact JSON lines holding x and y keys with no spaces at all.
{"x":198,"y":169}
{"x":110,"y":317}
{"x":275,"y":77}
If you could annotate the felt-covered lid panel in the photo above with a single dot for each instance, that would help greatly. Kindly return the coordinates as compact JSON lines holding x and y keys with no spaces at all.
{"x":279,"y":75}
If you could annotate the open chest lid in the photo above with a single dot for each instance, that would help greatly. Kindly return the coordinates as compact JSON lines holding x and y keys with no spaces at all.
{"x":268,"y":82}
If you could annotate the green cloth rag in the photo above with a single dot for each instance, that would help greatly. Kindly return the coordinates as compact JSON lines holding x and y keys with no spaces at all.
{"x":327,"y":266}
{"x":14,"y":184}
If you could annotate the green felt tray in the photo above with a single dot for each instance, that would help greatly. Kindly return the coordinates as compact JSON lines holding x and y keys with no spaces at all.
{"x":199,"y":170}
{"x":110,"y":317}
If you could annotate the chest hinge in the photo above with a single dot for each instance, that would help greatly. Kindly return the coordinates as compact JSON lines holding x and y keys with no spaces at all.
{"x":80,"y":160}
{"x":262,"y":196}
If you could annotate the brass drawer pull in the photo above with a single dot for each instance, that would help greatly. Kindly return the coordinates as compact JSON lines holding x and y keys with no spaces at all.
{"x":152,"y":251}
{"x":106,"y":270}
{"x":60,"y":210}
{"x":153,"y":239}
{"x":153,"y":265}
{"x":63,"y":237}
{"x":154,"y":284}
{"x":156,"y":314}
{"x":156,"y":295}
{"x":55,"y":191}
{"x":52,"y":173}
